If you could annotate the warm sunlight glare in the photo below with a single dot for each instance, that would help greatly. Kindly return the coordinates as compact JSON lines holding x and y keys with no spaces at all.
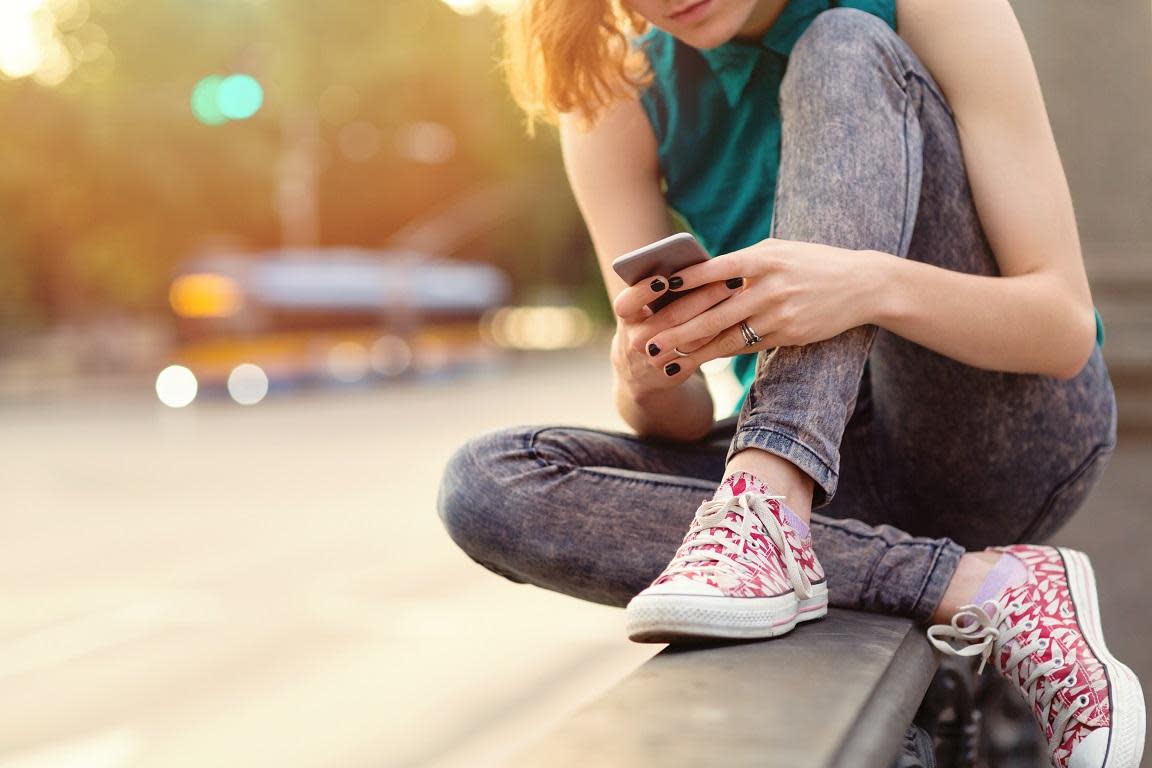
{"x":503,"y":6}
{"x":466,"y":7}
{"x":29,"y":43}
{"x":471,"y":7}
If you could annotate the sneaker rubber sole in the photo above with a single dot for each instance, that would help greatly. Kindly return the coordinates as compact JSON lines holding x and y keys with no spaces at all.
{"x":1126,"y":740}
{"x":670,"y":618}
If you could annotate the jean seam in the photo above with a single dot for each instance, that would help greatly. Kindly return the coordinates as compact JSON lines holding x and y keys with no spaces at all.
{"x":902,"y":247}
{"x":927,"y":578}
{"x":939,"y":97}
{"x":640,"y":480}
{"x":1098,"y":452}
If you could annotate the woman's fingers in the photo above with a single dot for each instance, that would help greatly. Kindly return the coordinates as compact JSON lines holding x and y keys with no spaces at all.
{"x":730,"y":268}
{"x":677,"y":313}
{"x":631,"y":302}
{"x":727,"y":344}
{"x":706,"y":325}
{"x":732,"y":342}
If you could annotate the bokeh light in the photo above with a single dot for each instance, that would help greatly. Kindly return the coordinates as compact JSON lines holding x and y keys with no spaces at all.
{"x":72,"y":15}
{"x":426,"y":142}
{"x":390,"y":356}
{"x":472,"y":7}
{"x":205,"y":295}
{"x":537,"y":328}
{"x":176,"y":386}
{"x":20,"y":51}
{"x":247,"y":384}
{"x":348,"y":362}
{"x":30,"y":42}
{"x":466,"y":7}
{"x":205,"y":105}
{"x":217,"y":99}
{"x":239,"y":97}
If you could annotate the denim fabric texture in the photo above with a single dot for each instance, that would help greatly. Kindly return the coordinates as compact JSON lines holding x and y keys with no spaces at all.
{"x":916,"y":457}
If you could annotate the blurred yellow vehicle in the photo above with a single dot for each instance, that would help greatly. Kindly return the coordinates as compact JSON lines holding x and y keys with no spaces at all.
{"x":248,"y":324}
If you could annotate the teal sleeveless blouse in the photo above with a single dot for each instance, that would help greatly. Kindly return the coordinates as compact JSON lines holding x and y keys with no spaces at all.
{"x":719,"y":150}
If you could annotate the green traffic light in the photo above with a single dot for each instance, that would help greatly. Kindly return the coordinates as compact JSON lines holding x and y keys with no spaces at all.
{"x":239,"y":97}
{"x":217,"y":99}
{"x":205,"y":101}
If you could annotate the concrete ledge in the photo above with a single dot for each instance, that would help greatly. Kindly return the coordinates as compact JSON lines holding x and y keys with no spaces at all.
{"x":838,"y":692}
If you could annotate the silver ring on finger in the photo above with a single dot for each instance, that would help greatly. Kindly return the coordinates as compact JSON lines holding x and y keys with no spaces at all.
{"x":751,"y":338}
{"x":681,"y":354}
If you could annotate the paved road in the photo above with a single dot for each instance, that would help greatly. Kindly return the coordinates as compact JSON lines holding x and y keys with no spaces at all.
{"x":269,"y":586}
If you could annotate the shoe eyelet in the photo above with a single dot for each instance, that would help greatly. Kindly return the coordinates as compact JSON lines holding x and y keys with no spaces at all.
{"x":1082,"y":699}
{"x":1070,"y":680}
{"x":1030,"y":625}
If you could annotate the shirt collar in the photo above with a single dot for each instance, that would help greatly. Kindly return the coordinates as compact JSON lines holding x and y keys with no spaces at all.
{"x":733,"y":62}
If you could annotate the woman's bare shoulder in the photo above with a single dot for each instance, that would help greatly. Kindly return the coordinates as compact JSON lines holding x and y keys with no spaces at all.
{"x":621,"y":136}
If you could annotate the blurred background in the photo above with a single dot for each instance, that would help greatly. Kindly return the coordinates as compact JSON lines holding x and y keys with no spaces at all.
{"x":270,"y":182}
{"x":263,"y":265}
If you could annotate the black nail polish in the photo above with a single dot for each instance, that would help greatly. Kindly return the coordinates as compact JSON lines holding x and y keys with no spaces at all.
{"x":734,"y":283}
{"x":656,"y":285}
{"x":672,"y":369}
{"x":675,"y":282}
{"x":653,"y":350}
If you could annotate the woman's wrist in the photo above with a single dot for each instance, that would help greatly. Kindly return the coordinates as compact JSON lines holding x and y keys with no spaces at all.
{"x":683,"y":412}
{"x":649,"y":404}
{"x":880,"y":298}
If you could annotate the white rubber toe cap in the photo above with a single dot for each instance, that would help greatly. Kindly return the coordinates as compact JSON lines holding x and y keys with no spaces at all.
{"x":1091,"y":751}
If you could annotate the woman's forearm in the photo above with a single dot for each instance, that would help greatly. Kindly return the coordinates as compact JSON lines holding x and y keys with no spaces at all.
{"x":683,"y":413}
{"x":1020,"y":324}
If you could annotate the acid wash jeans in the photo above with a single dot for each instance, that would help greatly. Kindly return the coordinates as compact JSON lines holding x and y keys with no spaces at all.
{"x":915,"y":458}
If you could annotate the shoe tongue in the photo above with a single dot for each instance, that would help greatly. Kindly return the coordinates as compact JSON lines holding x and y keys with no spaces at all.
{"x":738,"y":483}
{"x":727,"y":489}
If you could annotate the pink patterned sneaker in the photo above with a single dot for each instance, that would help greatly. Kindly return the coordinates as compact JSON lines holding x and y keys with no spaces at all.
{"x":1045,"y":636}
{"x":741,"y":572}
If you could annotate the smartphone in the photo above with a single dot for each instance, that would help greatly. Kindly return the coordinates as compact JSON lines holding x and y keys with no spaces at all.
{"x":663,"y":257}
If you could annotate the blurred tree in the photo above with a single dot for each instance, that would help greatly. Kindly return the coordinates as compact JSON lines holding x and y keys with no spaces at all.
{"x":107,"y":180}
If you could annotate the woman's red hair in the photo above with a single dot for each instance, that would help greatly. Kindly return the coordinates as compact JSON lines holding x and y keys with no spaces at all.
{"x":571,"y":56}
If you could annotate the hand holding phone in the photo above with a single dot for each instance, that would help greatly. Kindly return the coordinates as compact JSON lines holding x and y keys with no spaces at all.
{"x":632,"y":355}
{"x":663,"y":257}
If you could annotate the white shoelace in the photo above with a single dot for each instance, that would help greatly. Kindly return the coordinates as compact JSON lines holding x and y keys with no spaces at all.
{"x":714,"y":515}
{"x":987,"y":631}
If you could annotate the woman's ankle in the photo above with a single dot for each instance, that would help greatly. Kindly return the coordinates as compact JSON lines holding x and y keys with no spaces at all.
{"x":970,"y":573}
{"x":780,"y":475}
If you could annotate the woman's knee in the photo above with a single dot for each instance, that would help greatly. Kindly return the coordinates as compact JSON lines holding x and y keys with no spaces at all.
{"x":1088,"y":442}
{"x":470,"y":500}
{"x":840,"y":48}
